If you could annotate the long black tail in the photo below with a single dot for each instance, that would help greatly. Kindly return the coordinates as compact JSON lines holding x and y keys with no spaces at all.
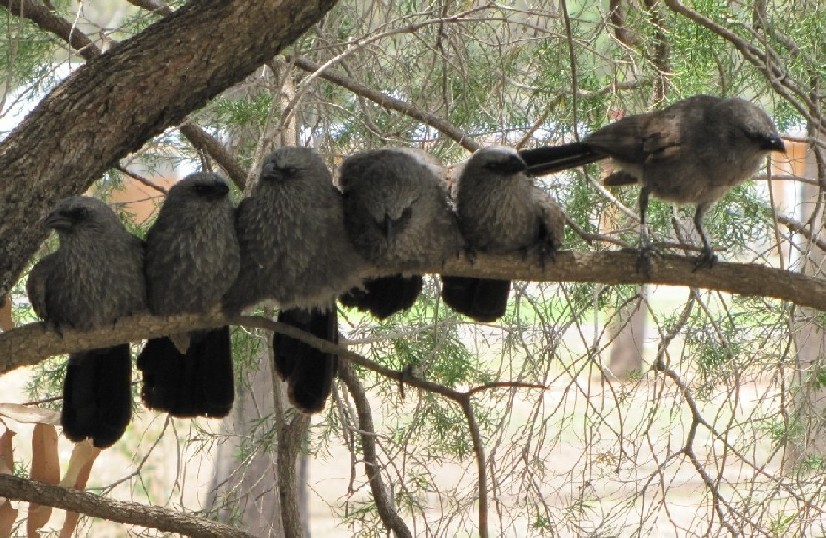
{"x":549,"y":159}
{"x":385,"y":296}
{"x":482,"y":299}
{"x":97,"y":395}
{"x":199,"y":382}
{"x":309,"y":372}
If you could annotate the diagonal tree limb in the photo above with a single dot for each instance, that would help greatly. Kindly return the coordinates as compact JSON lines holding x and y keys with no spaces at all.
{"x":49,"y":21}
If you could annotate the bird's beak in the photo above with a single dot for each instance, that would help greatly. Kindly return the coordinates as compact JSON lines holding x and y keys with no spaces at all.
{"x":57,"y":221}
{"x":388,"y":226}
{"x":219,"y":190}
{"x":774,"y":143}
{"x":513,"y":165}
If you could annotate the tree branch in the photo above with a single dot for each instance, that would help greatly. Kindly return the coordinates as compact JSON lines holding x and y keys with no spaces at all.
{"x":392,"y":103}
{"x":153,"y":517}
{"x":384,"y":504}
{"x":34,"y":342}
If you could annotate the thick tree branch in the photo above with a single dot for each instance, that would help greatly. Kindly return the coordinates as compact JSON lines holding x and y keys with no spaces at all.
{"x":48,"y":21}
{"x":153,"y":517}
{"x":118,"y":100}
{"x":32,"y":343}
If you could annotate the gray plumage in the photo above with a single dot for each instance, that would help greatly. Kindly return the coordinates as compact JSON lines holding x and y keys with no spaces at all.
{"x":192,"y":253}
{"x":294,"y":249}
{"x":96,"y":275}
{"x":92,"y":279}
{"x":396,"y":208}
{"x":692,"y":152}
{"x":397,"y":213}
{"x":192,"y":257}
{"x":500,"y":211}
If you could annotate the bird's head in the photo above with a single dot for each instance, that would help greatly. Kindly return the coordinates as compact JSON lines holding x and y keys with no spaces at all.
{"x":200,"y":187}
{"x":79,"y":214}
{"x":754,"y":123}
{"x":291,"y":163}
{"x":496,"y":160}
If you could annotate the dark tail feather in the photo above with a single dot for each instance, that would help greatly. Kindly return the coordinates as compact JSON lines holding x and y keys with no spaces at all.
{"x":198,"y":383}
{"x":482,"y":299}
{"x":383,"y":297}
{"x":550,"y":159}
{"x":308,"y":372}
{"x":160,"y":366}
{"x":97,"y":395}
{"x":213,"y":380}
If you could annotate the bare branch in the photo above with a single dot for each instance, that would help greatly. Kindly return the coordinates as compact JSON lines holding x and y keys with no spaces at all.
{"x":140,"y":179}
{"x":155,"y":6}
{"x":207,"y":143}
{"x":46,"y":20}
{"x":392,"y":103}
{"x":384,"y":504}
{"x":153,"y":517}
{"x":290,"y":442}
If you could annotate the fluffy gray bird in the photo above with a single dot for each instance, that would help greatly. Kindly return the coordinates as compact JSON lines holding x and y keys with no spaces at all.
{"x":91,"y":280}
{"x":691,"y":152}
{"x":397,"y":212}
{"x":500,"y":211}
{"x":295,"y":251}
{"x":192,"y":258}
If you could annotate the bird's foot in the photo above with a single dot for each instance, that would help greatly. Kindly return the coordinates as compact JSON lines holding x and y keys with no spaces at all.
{"x":546,"y":251}
{"x":644,"y":261}
{"x":706,"y":259}
{"x":470,"y":255}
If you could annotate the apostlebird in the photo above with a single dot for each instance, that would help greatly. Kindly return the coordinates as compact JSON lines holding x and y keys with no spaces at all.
{"x":92,"y":279}
{"x":692,"y":152}
{"x":192,"y":258}
{"x":500,"y":211}
{"x":295,"y":251}
{"x":397,"y":213}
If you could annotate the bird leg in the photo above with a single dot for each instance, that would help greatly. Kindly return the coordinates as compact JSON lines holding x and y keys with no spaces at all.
{"x":707,"y":258}
{"x":644,"y":258}
{"x":545,"y":243}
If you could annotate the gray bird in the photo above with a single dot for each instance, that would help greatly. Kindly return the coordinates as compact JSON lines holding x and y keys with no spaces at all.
{"x":192,"y":258}
{"x":500,"y":211}
{"x":295,"y":251}
{"x":397,"y":213}
{"x":91,"y":280}
{"x":692,"y":152}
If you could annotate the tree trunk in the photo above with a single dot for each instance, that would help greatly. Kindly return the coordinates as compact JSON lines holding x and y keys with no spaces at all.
{"x":116,"y":102}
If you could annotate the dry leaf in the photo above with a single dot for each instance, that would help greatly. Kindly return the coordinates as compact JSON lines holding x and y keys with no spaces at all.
{"x":45,"y":468}
{"x":29,"y":414}
{"x":80,"y":466}
{"x":7,"y":514}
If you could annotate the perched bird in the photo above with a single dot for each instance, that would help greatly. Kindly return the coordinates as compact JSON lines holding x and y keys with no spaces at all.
{"x":500,"y":211}
{"x":92,"y":279}
{"x":192,"y":258}
{"x":295,"y":251}
{"x":396,"y":212}
{"x":691,"y":152}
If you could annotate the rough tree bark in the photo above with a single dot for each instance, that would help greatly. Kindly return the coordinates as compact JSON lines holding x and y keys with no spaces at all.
{"x":117,"y":101}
